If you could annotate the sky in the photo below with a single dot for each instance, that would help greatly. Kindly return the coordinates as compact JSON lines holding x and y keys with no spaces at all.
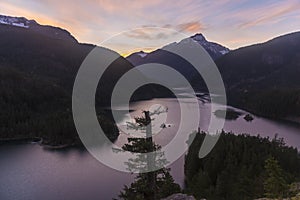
{"x":127,"y":26}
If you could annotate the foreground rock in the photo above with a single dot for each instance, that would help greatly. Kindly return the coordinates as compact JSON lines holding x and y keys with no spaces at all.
{"x":180,"y":196}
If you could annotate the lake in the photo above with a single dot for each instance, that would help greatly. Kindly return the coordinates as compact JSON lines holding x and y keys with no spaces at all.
{"x":29,"y":172}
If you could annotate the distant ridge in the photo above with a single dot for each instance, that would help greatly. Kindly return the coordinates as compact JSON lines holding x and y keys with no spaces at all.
{"x":264,"y":78}
{"x":50,"y":31}
{"x":215,"y":50}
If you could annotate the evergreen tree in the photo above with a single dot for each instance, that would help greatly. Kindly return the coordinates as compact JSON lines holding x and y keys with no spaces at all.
{"x":153,"y":184}
{"x":275,"y":184}
{"x":237,"y":169}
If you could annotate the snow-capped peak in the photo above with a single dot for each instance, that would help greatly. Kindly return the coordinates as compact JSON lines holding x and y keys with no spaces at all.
{"x":224,"y":51}
{"x":199,"y":37}
{"x":16,"y":21}
{"x":142,"y":54}
{"x":214,"y":49}
{"x":46,"y":30}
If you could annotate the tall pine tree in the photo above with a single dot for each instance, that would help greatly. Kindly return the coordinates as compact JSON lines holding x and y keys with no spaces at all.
{"x":153,"y":184}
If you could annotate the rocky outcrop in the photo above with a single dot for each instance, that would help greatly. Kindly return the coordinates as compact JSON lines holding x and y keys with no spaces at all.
{"x":179,"y":196}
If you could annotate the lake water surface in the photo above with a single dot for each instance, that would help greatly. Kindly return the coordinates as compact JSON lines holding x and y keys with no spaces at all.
{"x":29,"y":172}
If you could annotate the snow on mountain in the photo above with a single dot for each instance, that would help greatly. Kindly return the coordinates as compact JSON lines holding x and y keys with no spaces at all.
{"x":215,"y":50}
{"x":16,"y":21}
{"x":142,"y":54}
{"x":164,"y":57}
{"x":224,"y":51}
{"x":31,"y":25}
{"x":138,"y":55}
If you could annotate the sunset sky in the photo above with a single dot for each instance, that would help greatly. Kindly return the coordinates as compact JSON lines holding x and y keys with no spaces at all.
{"x":132,"y":25}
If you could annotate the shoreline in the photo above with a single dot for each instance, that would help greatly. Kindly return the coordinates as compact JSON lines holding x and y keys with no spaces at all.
{"x":35,"y":140}
{"x":21,"y":140}
{"x":288,"y":119}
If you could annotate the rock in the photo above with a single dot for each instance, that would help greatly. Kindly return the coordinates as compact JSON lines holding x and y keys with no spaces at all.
{"x":248,"y":118}
{"x":179,"y":196}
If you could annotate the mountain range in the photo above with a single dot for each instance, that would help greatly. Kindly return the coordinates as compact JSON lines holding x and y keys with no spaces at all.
{"x":215,"y":50}
{"x":32,"y":25}
{"x":257,"y":78}
{"x":38,"y":66}
{"x":164,"y":57}
{"x":264,"y":78}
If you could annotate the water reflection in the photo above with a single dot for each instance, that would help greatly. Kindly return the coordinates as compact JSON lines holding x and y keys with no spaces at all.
{"x":31,"y":172}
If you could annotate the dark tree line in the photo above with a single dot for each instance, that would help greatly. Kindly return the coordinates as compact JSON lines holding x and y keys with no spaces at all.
{"x":37,"y":72}
{"x":264,"y":78}
{"x":275,"y":103}
{"x":236,"y":167}
{"x":36,"y":79}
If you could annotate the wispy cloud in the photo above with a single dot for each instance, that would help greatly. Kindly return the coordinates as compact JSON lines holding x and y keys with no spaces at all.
{"x":191,"y":27}
{"x":222,"y":21}
{"x":151,"y":32}
{"x":269,"y":14}
{"x":148,"y":33}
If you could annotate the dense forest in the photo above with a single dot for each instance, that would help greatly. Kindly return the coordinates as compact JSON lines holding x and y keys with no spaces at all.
{"x":33,"y":108}
{"x":38,"y":67}
{"x":264,"y":76}
{"x":275,"y":103}
{"x":240,"y":166}
{"x":37,"y":71}
{"x":257,"y":78}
